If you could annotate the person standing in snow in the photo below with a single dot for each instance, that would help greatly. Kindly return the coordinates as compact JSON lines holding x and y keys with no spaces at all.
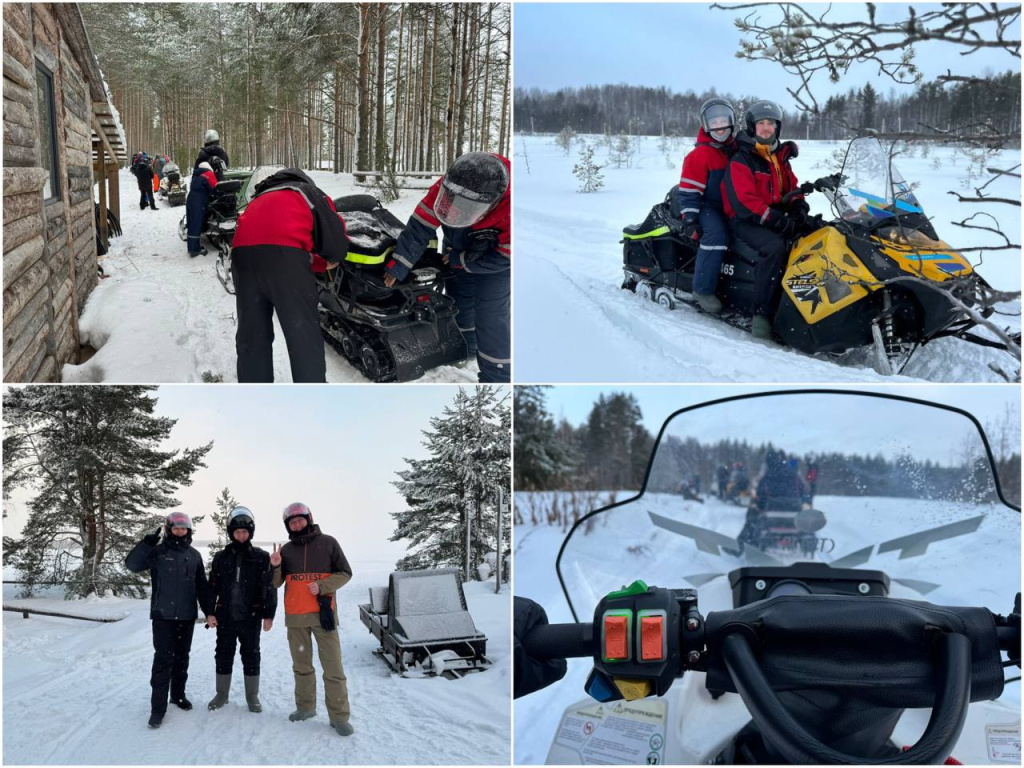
{"x":211,"y":149}
{"x":757,"y":179}
{"x":700,"y":198}
{"x":471,"y":204}
{"x":144,"y":175}
{"x":287,"y":233}
{"x":179,"y":584}
{"x":312,"y":568}
{"x":196,"y":206}
{"x":244,"y":600}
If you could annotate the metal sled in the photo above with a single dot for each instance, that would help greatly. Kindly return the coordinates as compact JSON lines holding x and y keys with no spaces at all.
{"x":424,"y":626}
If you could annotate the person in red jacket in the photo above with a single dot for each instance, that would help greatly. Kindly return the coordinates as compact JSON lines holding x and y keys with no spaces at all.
{"x":471,"y":203}
{"x":757,"y":179}
{"x":700,"y":197}
{"x":289,"y":231}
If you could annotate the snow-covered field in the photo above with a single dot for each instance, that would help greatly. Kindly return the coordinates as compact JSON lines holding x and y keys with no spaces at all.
{"x":161,"y":317}
{"x":77,"y":693}
{"x":574,"y":323}
{"x":976,"y":569}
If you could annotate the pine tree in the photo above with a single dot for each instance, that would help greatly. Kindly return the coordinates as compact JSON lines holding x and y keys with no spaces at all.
{"x":587,"y":171}
{"x":92,"y":455}
{"x":451,"y":497}
{"x":225,"y":503}
{"x":539,"y":455}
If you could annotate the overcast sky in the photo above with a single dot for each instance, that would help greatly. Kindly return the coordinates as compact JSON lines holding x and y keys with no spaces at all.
{"x":689,"y":46}
{"x":335,"y":448}
{"x":930,"y":434}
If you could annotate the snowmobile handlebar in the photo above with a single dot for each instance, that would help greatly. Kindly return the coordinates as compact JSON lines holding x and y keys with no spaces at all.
{"x":560,"y":641}
{"x":818,"y":185}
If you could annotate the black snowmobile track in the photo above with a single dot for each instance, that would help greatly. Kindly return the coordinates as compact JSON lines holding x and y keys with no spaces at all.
{"x":335,"y":329}
{"x":728,"y":316}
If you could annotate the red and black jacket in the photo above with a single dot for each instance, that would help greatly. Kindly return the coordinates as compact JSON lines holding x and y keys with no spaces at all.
{"x":291,"y":213}
{"x":753,"y":187}
{"x":703,"y":172}
{"x":422,"y":228}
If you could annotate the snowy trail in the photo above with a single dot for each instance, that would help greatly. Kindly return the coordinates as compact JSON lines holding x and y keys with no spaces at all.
{"x":160,"y":317}
{"x":78,"y":693}
{"x":575,"y":324}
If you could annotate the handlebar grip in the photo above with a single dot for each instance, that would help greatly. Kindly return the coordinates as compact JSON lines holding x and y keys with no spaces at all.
{"x":560,"y":641}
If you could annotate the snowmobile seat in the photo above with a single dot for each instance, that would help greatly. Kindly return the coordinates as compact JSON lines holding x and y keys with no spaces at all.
{"x":422,"y":616}
{"x":363,"y":202}
{"x":228,"y":187}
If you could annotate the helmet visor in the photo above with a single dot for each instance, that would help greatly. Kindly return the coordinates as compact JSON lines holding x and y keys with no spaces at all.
{"x":457,"y":206}
{"x":296,"y":510}
{"x":718,"y":116}
{"x":179,"y":520}
{"x":240,"y":516}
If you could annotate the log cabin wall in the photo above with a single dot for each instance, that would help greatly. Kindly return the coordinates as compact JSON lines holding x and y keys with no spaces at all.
{"x":49,"y":245}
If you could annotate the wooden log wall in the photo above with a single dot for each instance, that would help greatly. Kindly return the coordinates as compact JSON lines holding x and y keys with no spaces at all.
{"x":49,"y":249}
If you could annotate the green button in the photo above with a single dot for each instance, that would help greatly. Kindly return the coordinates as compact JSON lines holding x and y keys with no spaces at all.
{"x":636,"y":588}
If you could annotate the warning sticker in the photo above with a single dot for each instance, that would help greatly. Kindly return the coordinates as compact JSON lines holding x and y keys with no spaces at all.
{"x":616,"y":733}
{"x":1003,"y":743}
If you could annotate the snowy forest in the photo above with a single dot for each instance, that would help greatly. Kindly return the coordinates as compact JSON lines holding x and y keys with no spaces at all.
{"x":611,"y":449}
{"x":92,"y":456}
{"x":646,"y":111}
{"x":456,"y":497}
{"x":332,"y":86}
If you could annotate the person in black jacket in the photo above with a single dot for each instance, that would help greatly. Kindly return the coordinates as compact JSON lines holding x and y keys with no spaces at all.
{"x":244,"y":598}
{"x":528,"y":673}
{"x":211,"y":149}
{"x":179,"y":583}
{"x":144,"y":175}
{"x":289,"y":231}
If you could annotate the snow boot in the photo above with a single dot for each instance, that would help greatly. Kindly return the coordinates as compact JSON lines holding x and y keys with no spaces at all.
{"x":252,"y":693}
{"x":223,"y":689}
{"x":709,"y":303}
{"x":301,"y":714}
{"x":761,"y":327}
{"x":153,"y":206}
{"x":181,"y":702}
{"x":156,"y":719}
{"x":343,"y":729}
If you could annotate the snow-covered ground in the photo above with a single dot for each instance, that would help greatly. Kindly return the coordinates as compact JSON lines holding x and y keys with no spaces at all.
{"x":575,"y":324}
{"x":161,"y":317}
{"x":77,"y":693}
{"x":977,"y":569}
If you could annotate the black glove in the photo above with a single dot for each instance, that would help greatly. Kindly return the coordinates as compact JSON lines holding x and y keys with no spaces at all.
{"x":326,"y":612}
{"x":530,"y":674}
{"x":152,"y":539}
{"x":799,"y":208}
{"x":787,"y":226}
{"x":481,"y":242}
{"x":691,"y":227}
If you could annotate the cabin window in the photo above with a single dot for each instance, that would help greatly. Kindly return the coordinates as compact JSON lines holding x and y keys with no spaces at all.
{"x":47,"y":131}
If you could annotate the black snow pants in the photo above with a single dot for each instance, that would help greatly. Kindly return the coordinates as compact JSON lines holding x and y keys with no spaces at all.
{"x":483,"y":302}
{"x":268,"y":279}
{"x":245,"y":633}
{"x":768,"y":271}
{"x":172,"y":641}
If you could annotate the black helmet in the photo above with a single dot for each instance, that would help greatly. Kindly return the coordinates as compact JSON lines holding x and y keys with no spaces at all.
{"x":473,"y":185}
{"x":298,"y":509}
{"x":241,"y":517}
{"x":714,"y":110}
{"x":763,"y":110}
{"x":178,"y":520}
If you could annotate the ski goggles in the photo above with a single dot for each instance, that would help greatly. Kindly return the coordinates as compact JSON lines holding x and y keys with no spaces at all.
{"x":179,"y":520}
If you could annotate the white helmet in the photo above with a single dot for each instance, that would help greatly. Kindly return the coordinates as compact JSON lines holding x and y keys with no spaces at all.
{"x":211,"y":135}
{"x":205,"y":166}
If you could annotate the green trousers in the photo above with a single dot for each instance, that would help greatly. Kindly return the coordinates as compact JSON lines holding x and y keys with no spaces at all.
{"x":328,"y":645}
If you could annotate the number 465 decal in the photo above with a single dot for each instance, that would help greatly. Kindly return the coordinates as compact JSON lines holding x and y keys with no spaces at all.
{"x":727,"y":269}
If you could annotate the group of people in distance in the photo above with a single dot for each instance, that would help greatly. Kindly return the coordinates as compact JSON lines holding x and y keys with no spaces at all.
{"x":733,"y":184}
{"x":239,"y":599}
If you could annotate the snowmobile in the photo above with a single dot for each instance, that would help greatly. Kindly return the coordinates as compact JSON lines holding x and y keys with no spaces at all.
{"x":171,"y":185}
{"x":747,"y":657}
{"x":389,"y":334}
{"x":424,"y":626}
{"x":219,"y":228}
{"x":877,"y":276}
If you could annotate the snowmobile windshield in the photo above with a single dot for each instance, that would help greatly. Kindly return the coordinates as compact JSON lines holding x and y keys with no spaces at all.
{"x":873,"y":190}
{"x":258,"y":175}
{"x":847,"y":479}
